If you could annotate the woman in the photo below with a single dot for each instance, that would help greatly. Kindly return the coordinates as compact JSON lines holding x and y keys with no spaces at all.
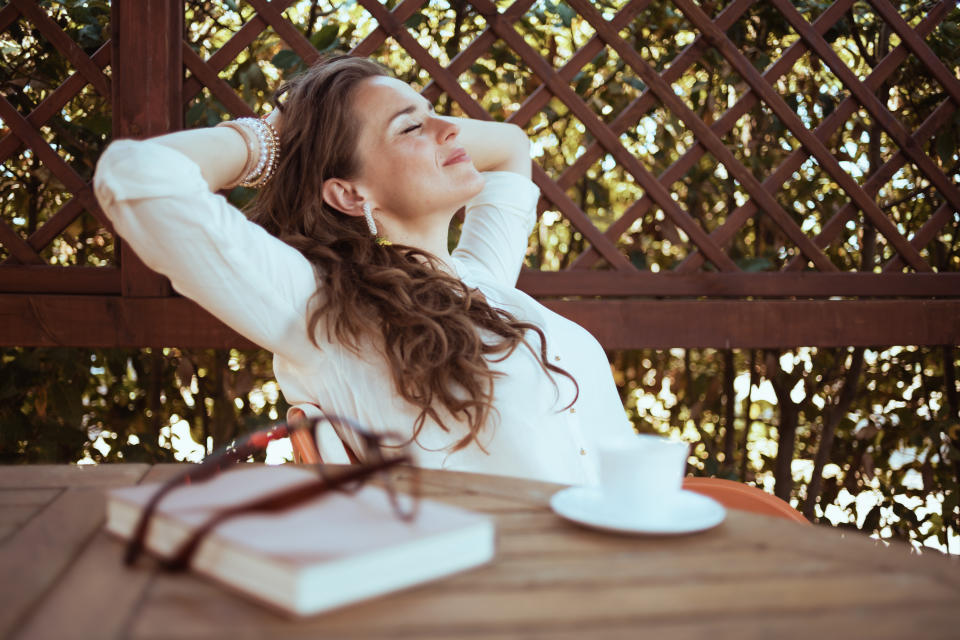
{"x":348,"y":280}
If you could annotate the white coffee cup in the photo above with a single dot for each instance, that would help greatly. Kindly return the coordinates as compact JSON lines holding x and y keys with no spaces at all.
{"x":642,"y":471}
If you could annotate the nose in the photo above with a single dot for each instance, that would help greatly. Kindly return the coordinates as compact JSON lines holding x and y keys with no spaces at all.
{"x":446,"y":130}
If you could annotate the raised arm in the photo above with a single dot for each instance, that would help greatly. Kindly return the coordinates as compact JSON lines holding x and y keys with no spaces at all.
{"x":495,"y":146}
{"x":220,"y":152}
{"x":499,"y":219}
{"x":159,"y":195}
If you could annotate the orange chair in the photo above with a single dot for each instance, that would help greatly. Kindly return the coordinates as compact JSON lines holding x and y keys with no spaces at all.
{"x":304,"y":446}
{"x":735,"y":495}
{"x":305,"y":449}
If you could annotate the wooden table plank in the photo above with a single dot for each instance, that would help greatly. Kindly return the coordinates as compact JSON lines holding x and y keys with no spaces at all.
{"x":97,"y":592}
{"x":17,"y":514}
{"x":751,"y":577}
{"x":628,"y":567}
{"x":36,"y":476}
{"x":35,"y":555}
{"x":36,"y":497}
{"x":184,"y":608}
{"x":884,"y":623}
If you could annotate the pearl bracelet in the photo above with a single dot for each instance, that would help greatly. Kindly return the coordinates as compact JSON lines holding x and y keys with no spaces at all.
{"x":262,"y":139}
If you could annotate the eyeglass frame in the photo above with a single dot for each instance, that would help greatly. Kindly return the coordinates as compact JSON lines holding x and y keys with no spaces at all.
{"x":349,"y":480}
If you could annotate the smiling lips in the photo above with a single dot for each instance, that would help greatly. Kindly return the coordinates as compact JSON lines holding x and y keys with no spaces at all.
{"x":460,"y":155}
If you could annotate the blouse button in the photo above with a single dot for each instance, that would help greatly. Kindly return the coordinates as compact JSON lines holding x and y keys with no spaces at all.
{"x":557,"y":358}
{"x":583,"y":452}
{"x":573,"y":409}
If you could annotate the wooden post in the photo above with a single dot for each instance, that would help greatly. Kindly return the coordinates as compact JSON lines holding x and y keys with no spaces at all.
{"x":147,"y":63}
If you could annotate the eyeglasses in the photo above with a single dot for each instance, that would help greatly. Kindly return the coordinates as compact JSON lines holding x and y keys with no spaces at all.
{"x":379,"y":455}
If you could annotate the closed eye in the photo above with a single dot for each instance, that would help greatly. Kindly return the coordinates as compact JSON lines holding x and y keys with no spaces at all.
{"x":412,"y":128}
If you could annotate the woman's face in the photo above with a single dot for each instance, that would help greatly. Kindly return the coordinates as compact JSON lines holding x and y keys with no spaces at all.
{"x":411,"y":163}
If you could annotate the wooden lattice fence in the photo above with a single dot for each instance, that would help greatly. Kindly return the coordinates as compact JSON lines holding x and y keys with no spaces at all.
{"x":148,"y":73}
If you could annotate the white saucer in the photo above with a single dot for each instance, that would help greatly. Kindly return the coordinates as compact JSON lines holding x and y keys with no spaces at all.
{"x":686,"y":512}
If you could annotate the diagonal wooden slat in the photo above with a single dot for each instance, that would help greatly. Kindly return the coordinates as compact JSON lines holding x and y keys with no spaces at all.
{"x":255,"y":26}
{"x":19,"y":125}
{"x":639,"y":106}
{"x":452,"y":87}
{"x":217,"y":86}
{"x":705,"y":135}
{"x":721,"y":126}
{"x":283,"y":28}
{"x":593,"y":124}
{"x":872,"y":103}
{"x":231,"y":49}
{"x":480,"y":45}
{"x":8,"y":15}
{"x":922,"y":238}
{"x":541,"y":95}
{"x":792,"y":121}
{"x":65,"y":45}
{"x":886,"y":67}
{"x":20,"y":251}
{"x":834,"y":226}
{"x":580,"y":220}
{"x":919,"y":48}
{"x":62,"y":219}
{"x":379,"y":35}
{"x":55,"y":101}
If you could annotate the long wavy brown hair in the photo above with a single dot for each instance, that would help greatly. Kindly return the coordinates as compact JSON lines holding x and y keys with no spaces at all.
{"x":430,"y":323}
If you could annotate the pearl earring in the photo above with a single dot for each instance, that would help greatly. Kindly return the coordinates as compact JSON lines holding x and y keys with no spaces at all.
{"x":368,"y":215}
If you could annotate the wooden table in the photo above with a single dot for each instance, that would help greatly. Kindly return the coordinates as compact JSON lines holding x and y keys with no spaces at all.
{"x":751,"y":577}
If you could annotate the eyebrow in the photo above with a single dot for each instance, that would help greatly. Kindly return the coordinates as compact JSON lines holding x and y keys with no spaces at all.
{"x":407,"y":110}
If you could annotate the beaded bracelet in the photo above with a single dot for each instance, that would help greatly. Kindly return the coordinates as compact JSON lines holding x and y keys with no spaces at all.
{"x":263,"y":150}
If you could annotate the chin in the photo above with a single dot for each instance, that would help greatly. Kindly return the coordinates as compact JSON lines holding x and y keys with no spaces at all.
{"x":475,"y":182}
{"x":466,"y":187}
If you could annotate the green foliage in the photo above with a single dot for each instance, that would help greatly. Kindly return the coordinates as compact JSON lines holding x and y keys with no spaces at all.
{"x":892,"y":466}
{"x":118,"y":405}
{"x":30,"y":70}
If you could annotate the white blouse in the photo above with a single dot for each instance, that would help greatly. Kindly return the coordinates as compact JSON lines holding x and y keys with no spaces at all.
{"x":261,"y":287}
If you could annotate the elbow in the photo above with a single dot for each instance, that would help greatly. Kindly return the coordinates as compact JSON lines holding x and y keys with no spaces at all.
{"x":141,"y":169}
{"x":103,"y":177}
{"x":518,"y":141}
{"x":517,"y":148}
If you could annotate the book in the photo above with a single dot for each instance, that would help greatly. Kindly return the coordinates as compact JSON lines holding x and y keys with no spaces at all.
{"x":331,"y":551}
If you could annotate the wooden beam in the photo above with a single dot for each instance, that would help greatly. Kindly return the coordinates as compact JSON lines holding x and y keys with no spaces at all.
{"x":113,"y":321}
{"x":631,"y":324}
{"x":734,"y":285}
{"x":147,"y":67}
{"x":48,"y":279}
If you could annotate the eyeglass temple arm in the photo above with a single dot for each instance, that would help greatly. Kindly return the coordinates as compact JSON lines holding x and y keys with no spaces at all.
{"x":197,"y":473}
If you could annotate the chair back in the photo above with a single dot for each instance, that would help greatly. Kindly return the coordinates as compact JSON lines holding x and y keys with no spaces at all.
{"x":736,"y":495}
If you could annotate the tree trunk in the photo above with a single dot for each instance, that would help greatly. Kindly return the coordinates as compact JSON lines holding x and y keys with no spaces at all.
{"x":831,"y":420}
{"x":786,"y":430}
{"x":156,"y":390}
{"x":729,"y":428}
{"x":223,"y":419}
{"x":783,"y":473}
{"x":953,"y":403}
{"x":747,"y":406}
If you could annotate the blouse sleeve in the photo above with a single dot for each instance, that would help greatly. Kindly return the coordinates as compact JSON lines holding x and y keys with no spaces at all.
{"x":161,"y":206}
{"x":497,"y":226}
